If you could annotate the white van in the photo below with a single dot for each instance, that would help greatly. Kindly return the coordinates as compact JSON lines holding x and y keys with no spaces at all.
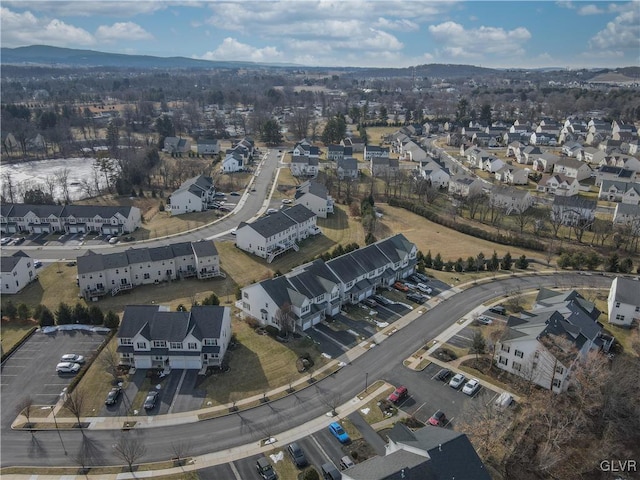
{"x":504,"y":400}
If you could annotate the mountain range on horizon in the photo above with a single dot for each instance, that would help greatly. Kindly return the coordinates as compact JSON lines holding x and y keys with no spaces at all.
{"x":57,"y":57}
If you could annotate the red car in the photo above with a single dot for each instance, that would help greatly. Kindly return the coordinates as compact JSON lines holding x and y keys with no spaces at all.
{"x":438,"y":419}
{"x":398,"y":395}
{"x":400,"y":286}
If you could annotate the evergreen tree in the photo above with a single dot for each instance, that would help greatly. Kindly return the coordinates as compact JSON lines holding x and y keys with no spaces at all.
{"x":64,"y":315}
{"x":46,"y":318}
{"x":80,"y":314}
{"x":494,"y":262}
{"x":480,"y":261}
{"x":23,"y":312}
{"x":507,"y":262}
{"x":427,"y":260}
{"x":593,"y":260}
{"x":459,"y":266}
{"x":522,"y":263}
{"x":96,"y":317}
{"x":9,"y":310}
{"x":111,"y":320}
{"x":626,"y":266}
{"x":438,"y":263}
{"x":613,"y":263}
{"x":448,"y":266}
{"x":211,"y":300}
{"x":270,"y":132}
{"x":471,"y":264}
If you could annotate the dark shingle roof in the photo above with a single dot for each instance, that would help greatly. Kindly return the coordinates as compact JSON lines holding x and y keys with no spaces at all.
{"x":8,"y":263}
{"x":270,"y":225}
{"x":627,"y":291}
{"x":204,"y":248}
{"x":298,"y":213}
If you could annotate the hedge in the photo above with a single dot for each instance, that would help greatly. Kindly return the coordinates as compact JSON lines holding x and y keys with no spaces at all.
{"x":512,"y":240}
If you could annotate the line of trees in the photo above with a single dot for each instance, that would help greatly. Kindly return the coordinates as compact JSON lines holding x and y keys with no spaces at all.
{"x":64,"y":315}
{"x":478,"y":263}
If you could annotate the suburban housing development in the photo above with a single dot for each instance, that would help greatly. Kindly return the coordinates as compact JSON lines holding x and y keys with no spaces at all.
{"x":18,"y":271}
{"x":99,"y":274}
{"x":194,"y":195}
{"x":151,"y":336}
{"x":623,"y":301}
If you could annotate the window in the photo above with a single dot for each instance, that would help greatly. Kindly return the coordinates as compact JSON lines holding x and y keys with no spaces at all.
{"x":211,"y":341}
{"x":516,"y":366}
{"x":617,"y":304}
{"x":245,"y":294}
{"x":557,"y":382}
{"x":505,"y":348}
{"x":142,"y":345}
{"x":246,"y":306}
{"x":126,"y":341}
{"x":192,"y":346}
{"x":159,"y":344}
{"x":637,"y":309}
{"x":503,"y":361}
{"x":147,"y":276}
{"x":536,"y":355}
{"x":518,"y":353}
{"x":175,"y":345}
{"x":560,"y":369}
{"x":619,"y":317}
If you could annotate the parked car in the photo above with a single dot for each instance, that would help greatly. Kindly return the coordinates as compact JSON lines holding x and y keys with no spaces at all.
{"x":346,"y":462}
{"x":150,"y":401}
{"x":234,"y":194}
{"x":398,"y":394}
{"x":504,"y":400}
{"x":219,"y":194}
{"x":233,"y":231}
{"x":271,"y":210}
{"x":416,"y":297}
{"x":128,"y":238}
{"x":265,"y":469}
{"x":5,"y":240}
{"x":330,"y":472}
{"x":287,"y":201}
{"x":421,"y":276}
{"x":457,"y":381}
{"x":370,"y":302}
{"x":500,"y":310}
{"x":411,"y":286}
{"x":438,"y":419}
{"x":72,"y":357}
{"x":336,"y":429}
{"x":484,"y":320}
{"x":19,"y":240}
{"x":67,"y":367}
{"x":425,"y":288}
{"x":414,"y":278}
{"x":400,"y":286}
{"x":113,"y":240}
{"x":297,"y":455}
{"x":381,"y":300}
{"x":443,"y":375}
{"x":471,"y":387}
{"x":113,"y":395}
{"x":37,"y":263}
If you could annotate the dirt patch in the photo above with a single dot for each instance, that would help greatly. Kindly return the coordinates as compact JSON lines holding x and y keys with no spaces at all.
{"x":445,"y":355}
{"x":359,"y":450}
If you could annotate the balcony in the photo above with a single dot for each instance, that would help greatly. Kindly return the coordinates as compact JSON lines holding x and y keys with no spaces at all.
{"x":280,"y":248}
{"x":211,"y":274}
{"x":121,"y":288}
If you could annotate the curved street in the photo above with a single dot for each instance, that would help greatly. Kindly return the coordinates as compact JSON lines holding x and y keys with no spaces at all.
{"x":249,"y":426}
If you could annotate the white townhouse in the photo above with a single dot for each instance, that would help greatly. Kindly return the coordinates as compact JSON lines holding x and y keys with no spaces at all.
{"x":194,"y":195}
{"x":18,"y":271}
{"x":573,"y":210}
{"x":528,"y":154}
{"x":176,"y":145}
{"x":463,"y":185}
{"x":375,"y":151}
{"x":355,"y":143}
{"x":380,"y":166}
{"x":572,"y":168}
{"x":623,"y":301}
{"x":607,"y":172}
{"x":616,"y":191}
{"x":206,"y":146}
{"x":151,"y":336}
{"x":431,"y":171}
{"x":106,"y":220}
{"x":629,"y":215}
{"x":624,"y":161}
{"x":232,"y":162}
{"x":304,"y":166}
{"x":558,"y":185}
{"x":309,"y":293}
{"x":545,"y":162}
{"x":100,"y":274}
{"x":315,"y":196}
{"x":513,"y":175}
{"x":492,"y":164}
{"x":305,"y":149}
{"x":510,"y":199}
{"x":338,"y":152}
{"x":295,"y":301}
{"x":347,"y":168}
{"x":544,"y":346}
{"x":413,"y":152}
{"x":277,"y":233}
{"x":591,"y":155}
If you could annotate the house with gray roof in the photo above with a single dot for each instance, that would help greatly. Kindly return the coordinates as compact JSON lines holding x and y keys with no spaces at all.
{"x":617,"y":191}
{"x":277,"y":233}
{"x":99,"y":274}
{"x":423,"y":454}
{"x":543,"y":345}
{"x":151,"y":336}
{"x":206,"y":146}
{"x":627,"y":214}
{"x":573,"y":210}
{"x":16,"y":272}
{"x":318,"y":289}
{"x":607,"y":172}
{"x":176,"y":145}
{"x":304,"y":166}
{"x":315,"y":196}
{"x":623,"y":301}
{"x":463,"y":185}
{"x":510,"y":199}
{"x":347,"y":168}
{"x":105,"y":220}
{"x":194,"y":195}
{"x":338,"y":152}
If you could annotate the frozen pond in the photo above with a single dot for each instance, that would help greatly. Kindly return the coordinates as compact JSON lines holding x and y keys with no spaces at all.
{"x":26,"y":176}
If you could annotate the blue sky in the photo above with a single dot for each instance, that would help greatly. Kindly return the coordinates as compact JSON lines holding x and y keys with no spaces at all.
{"x":359,"y":33}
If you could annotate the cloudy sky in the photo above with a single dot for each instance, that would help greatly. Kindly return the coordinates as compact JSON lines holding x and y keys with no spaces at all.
{"x":374,"y":33}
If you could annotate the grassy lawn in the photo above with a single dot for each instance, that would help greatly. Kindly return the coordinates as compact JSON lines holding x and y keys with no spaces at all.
{"x":12,"y":332}
{"x":341,"y":228}
{"x":375,"y":134}
{"x":258,"y":364}
{"x":375,"y":414}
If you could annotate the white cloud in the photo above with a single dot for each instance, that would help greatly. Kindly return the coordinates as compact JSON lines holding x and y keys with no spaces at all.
{"x":401,"y":24}
{"x":478,"y":42}
{"x":590,"y":10}
{"x":622,"y":33}
{"x":20,"y":29}
{"x":61,"y":8}
{"x":122,"y":31}
{"x":232,"y":49}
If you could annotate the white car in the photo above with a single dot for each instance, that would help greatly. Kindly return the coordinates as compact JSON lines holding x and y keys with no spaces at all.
{"x":113,"y":240}
{"x":67,"y":367}
{"x":233,"y":231}
{"x":471,"y":386}
{"x":271,"y":210}
{"x":457,"y":380}
{"x":72,"y":357}
{"x":287,"y":201}
{"x":424,"y":288}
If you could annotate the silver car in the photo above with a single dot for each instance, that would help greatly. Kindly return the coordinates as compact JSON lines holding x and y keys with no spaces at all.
{"x":72,"y":357}
{"x":68,"y":367}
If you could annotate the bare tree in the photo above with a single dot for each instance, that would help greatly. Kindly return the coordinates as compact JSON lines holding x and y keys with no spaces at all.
{"x":299,"y":122}
{"x":130,"y":449}
{"x":62,"y":177}
{"x":8,"y":187}
{"x":486,"y":427}
{"x":332,"y":400}
{"x":110,"y":361}
{"x":180,"y":450}
{"x":75,"y":404}
{"x":286,"y":319}
{"x":50,"y":184}
{"x":26,"y":407}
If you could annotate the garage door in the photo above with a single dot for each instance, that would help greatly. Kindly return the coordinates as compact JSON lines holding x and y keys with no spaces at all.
{"x":317,"y":320}
{"x":142,"y":362}
{"x":185,"y":362}
{"x":73,"y":229}
{"x":37,"y":229}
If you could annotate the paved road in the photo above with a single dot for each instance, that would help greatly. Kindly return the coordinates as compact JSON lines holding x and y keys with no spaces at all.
{"x":383,"y":362}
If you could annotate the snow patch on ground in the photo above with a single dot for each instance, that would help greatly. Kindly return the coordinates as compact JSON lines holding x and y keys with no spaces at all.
{"x":62,"y":328}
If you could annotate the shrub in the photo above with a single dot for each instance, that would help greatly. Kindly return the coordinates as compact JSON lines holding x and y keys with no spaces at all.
{"x":252,"y":322}
{"x":272,"y":331}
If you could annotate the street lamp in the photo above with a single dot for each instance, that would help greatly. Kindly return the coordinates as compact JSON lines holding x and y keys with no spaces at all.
{"x":57,"y":429}
{"x":366,"y":381}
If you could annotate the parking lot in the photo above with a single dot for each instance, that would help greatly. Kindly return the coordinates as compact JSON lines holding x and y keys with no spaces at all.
{"x":31,"y":370}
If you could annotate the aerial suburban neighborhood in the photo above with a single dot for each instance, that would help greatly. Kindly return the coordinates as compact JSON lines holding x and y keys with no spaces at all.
{"x":242,"y":266}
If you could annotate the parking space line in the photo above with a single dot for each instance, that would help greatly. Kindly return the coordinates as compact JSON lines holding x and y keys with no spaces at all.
{"x":235,"y":471}
{"x":327,"y":457}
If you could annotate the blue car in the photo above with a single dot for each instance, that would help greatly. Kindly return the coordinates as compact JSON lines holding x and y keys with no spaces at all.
{"x":336,"y":429}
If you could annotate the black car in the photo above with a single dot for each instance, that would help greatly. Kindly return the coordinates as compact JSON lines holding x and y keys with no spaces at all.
{"x":265,"y":469}
{"x":500,"y":310}
{"x":443,"y":375}
{"x":113,"y":395}
{"x":416,"y":297}
{"x":382,"y":300}
{"x":370,"y":302}
{"x":297,"y":455}
{"x":150,"y":401}
{"x":423,"y":278}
